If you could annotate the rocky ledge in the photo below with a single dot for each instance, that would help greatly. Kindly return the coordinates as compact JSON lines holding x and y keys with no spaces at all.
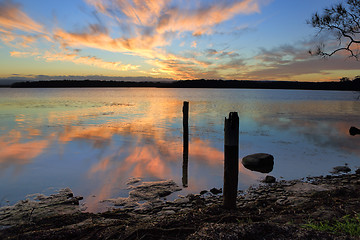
{"x":271,"y":211}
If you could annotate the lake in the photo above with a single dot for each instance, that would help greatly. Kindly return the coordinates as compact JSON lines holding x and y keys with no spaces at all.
{"x":94,"y":140}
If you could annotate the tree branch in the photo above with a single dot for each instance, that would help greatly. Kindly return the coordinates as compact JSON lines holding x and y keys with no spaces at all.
{"x":344,"y":21}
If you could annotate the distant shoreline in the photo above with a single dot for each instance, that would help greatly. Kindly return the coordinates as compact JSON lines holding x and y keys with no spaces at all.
{"x":341,"y":86}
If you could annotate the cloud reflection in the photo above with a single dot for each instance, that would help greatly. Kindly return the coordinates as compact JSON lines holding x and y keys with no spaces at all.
{"x":16,"y":153}
{"x":144,"y":138}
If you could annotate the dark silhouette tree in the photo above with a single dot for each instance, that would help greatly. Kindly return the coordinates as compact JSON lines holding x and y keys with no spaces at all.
{"x":357,"y":79}
{"x":344,"y":79}
{"x":342,"y":20}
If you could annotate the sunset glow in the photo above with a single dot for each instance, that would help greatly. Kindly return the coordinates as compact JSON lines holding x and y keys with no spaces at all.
{"x":164,"y":40}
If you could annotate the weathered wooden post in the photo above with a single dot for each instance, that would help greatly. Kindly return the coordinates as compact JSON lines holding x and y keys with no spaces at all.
{"x":185,"y":143}
{"x":231,"y":162}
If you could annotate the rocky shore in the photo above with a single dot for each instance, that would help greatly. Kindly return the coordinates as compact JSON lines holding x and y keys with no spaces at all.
{"x":270,"y":211}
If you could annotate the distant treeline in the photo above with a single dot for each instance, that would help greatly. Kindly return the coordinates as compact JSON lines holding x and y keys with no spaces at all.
{"x":353,"y":85}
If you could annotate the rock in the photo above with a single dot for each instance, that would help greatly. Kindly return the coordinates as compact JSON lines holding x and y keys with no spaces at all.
{"x":269,"y":179}
{"x":357,"y":171}
{"x":181,"y":201}
{"x":203,"y":192}
{"x":185,"y":210}
{"x":167,"y":212}
{"x":153,"y":190}
{"x":305,"y":188}
{"x":341,"y":169}
{"x":259,"y":162}
{"x":133,"y":180}
{"x":164,"y":193}
{"x":216,"y":191}
{"x":39,"y":207}
{"x":150,"y":192}
{"x":170,"y":208}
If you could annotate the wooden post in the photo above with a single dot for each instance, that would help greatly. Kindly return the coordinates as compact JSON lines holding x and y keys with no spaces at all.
{"x":231,"y":163}
{"x":185,"y":143}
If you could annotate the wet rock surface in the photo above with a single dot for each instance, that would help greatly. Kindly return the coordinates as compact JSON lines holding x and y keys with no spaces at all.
{"x":149,"y":193}
{"x":270,"y":211}
{"x":341,"y":169}
{"x":259,"y":162}
{"x":269,"y":179}
{"x":40,"y":206}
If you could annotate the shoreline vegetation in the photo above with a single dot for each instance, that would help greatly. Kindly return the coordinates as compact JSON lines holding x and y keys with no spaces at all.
{"x":202,"y":83}
{"x":324,"y":207}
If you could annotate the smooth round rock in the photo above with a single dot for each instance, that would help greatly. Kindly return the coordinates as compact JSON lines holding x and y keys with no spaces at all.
{"x":259,"y":162}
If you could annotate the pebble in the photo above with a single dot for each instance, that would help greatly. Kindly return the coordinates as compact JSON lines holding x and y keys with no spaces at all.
{"x":167,"y":212}
{"x":184,"y":210}
{"x":181,"y":201}
{"x":170,"y":208}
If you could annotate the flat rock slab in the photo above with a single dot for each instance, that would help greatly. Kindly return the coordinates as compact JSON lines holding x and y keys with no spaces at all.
{"x":302,"y":188}
{"x":40,"y":206}
{"x":341,"y":169}
{"x":153,"y":190}
{"x":145,"y":191}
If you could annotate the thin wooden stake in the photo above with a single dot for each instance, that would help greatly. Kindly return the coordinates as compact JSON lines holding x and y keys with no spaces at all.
{"x":231,"y":163}
{"x":185,"y":143}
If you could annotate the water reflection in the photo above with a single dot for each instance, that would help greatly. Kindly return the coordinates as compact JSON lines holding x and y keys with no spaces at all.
{"x":185,"y":166}
{"x":321,"y":130}
{"x":94,"y":146}
{"x":15,"y":153}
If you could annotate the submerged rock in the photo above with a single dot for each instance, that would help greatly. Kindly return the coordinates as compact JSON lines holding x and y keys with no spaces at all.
{"x":145,"y":191}
{"x":341,"y":169}
{"x":181,"y":201}
{"x":259,"y":162}
{"x":133,"y":180}
{"x":40,"y":206}
{"x":153,"y":190}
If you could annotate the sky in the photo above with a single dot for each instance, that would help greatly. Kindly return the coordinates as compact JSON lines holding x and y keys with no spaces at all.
{"x":165,"y":39}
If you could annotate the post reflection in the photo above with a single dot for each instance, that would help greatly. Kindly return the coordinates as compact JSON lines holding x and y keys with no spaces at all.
{"x":185,"y":111}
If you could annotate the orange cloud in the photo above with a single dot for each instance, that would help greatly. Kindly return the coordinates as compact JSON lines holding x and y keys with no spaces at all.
{"x":140,"y":12}
{"x":142,"y":45}
{"x":151,"y":26}
{"x":11,"y":17}
{"x":164,"y":22}
{"x":200,"y":21}
{"x":87,"y":60}
{"x":23,"y":54}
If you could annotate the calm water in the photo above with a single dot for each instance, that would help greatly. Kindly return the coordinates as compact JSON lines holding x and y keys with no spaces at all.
{"x":94,"y":140}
